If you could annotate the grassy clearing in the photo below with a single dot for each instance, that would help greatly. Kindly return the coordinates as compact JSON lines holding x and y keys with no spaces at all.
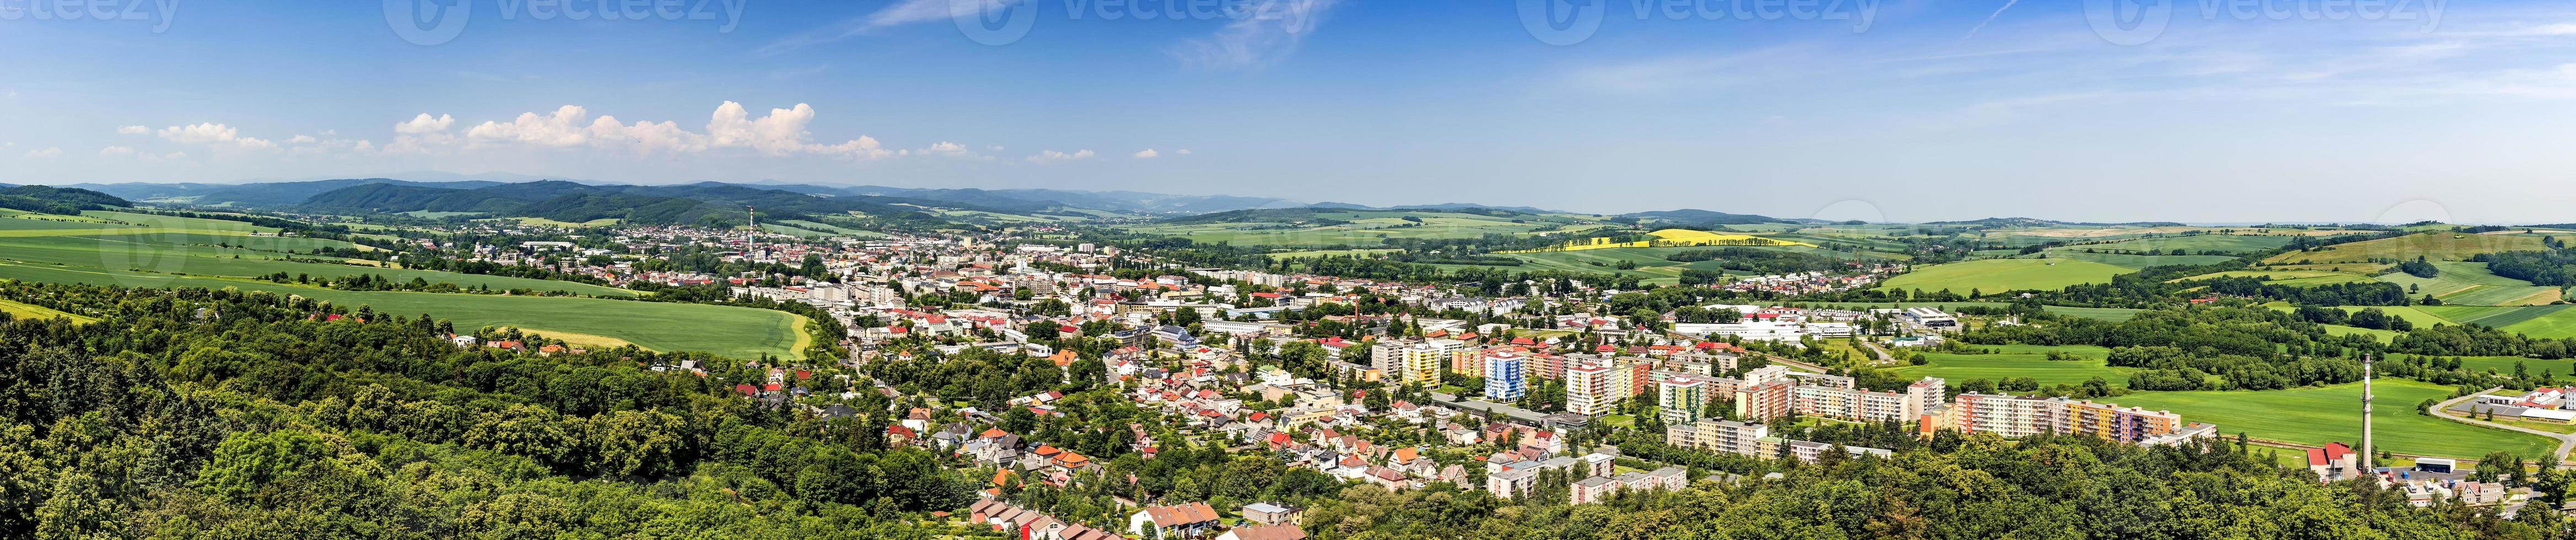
{"x":2320,"y":415}
{"x":1999,"y":275}
{"x":730,"y":331}
{"x":2129,"y":260}
{"x":31,"y":311}
{"x":2019,"y":361}
{"x":2293,"y":278}
{"x":2469,"y":283}
{"x":2439,"y":246}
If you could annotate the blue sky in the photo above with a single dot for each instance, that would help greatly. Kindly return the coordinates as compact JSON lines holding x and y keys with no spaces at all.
{"x":2234,"y":110}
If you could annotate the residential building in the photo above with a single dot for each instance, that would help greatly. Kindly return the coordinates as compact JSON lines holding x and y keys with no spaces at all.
{"x":1682,"y":398}
{"x":1506,"y":376}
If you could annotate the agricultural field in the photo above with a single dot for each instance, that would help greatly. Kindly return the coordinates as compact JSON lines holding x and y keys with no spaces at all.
{"x":1671,"y":238}
{"x":832,"y":230}
{"x":17,"y":310}
{"x":2293,"y":278}
{"x":1330,"y":253}
{"x":2019,"y":361}
{"x":2439,"y":246}
{"x":2319,"y":415}
{"x":730,"y":331}
{"x":2136,"y":261}
{"x":239,"y":256}
{"x":1999,"y":275}
{"x":1357,"y":228}
{"x":2101,"y":314}
{"x":2554,"y":321}
{"x":2198,"y":243}
{"x":2469,"y":283}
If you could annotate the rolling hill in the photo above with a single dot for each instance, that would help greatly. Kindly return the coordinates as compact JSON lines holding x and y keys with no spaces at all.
{"x":576,"y":203}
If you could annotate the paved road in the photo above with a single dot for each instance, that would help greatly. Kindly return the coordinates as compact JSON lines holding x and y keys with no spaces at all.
{"x":2566,"y":442}
{"x":1883,"y":357}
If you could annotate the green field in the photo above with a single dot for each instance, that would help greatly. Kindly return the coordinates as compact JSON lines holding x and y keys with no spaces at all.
{"x":730,"y":331}
{"x":2469,"y":283}
{"x":138,"y":250}
{"x":2316,"y":416}
{"x":1358,"y":228}
{"x":206,"y":254}
{"x":2418,"y":316}
{"x":2134,"y":261}
{"x":2539,"y":321}
{"x":1999,"y":275}
{"x":2292,"y":278}
{"x":2102,"y":314}
{"x":29,"y":311}
{"x":2019,"y":361}
{"x":2197,"y":244}
{"x":2439,"y":246}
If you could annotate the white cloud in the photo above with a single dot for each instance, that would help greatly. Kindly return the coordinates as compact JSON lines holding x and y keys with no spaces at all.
{"x":212,"y":134}
{"x":1184,"y":151}
{"x":423,"y":124}
{"x":302,"y":139}
{"x":945,"y":148}
{"x":1054,"y":156}
{"x":901,"y":13}
{"x":780,"y":133}
{"x":116,"y":151}
{"x":134,"y":130}
{"x":1148,"y":153}
{"x":175,"y":156}
{"x":48,"y":152}
{"x":1273,"y":31}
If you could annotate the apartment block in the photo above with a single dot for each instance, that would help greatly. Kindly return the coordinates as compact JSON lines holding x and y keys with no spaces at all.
{"x":1682,"y":398}
{"x":1506,"y":376}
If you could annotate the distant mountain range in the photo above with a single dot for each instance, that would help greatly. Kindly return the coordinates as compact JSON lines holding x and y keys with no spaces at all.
{"x":704,"y":203}
{"x":518,"y":195}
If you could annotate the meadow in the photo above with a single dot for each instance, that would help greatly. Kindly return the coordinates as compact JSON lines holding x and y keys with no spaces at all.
{"x":29,"y":311}
{"x":2439,"y":246}
{"x":2469,"y":283}
{"x":2319,"y":415}
{"x":1359,"y":228}
{"x":730,"y":331}
{"x":2291,"y":278}
{"x":2136,"y":261}
{"x":2198,"y":243}
{"x":1999,"y":275}
{"x":2019,"y":361}
{"x":140,"y":250}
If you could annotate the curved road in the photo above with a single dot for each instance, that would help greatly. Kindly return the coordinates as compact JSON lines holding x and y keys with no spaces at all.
{"x":2566,"y":442}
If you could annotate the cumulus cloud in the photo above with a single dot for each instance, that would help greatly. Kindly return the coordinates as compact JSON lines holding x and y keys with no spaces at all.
{"x":302,"y":139}
{"x":1148,"y":153}
{"x":424,"y":124}
{"x":134,"y":130}
{"x":116,"y":151}
{"x":1050,"y":156}
{"x":48,"y":152}
{"x":213,"y":134}
{"x":945,"y":148}
{"x":780,"y":133}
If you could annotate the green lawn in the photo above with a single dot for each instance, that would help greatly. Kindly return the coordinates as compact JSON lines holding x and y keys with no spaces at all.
{"x":2129,"y":260}
{"x":2439,"y":246}
{"x":1999,"y":275}
{"x":730,"y":331}
{"x":2469,"y":283}
{"x":2320,"y":415}
{"x":2019,"y":361}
